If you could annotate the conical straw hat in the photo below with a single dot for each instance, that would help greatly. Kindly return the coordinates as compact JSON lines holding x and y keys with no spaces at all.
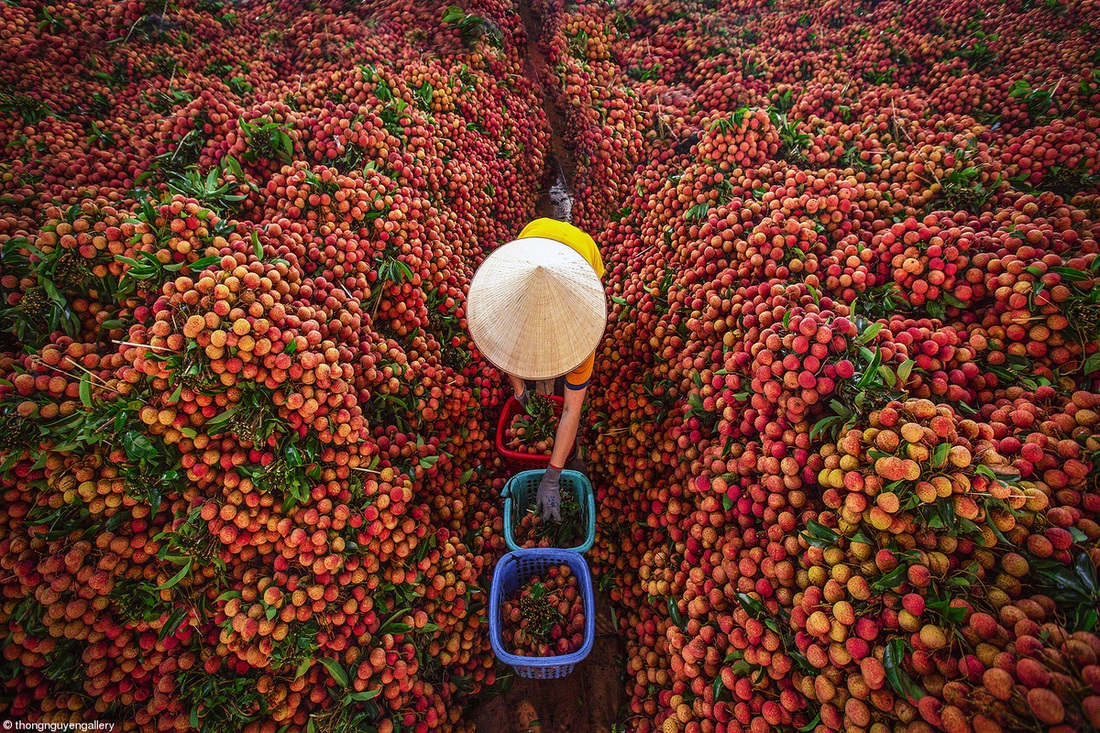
{"x":536,"y":308}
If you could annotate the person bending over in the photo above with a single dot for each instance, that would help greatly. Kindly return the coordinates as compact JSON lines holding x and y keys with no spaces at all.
{"x":536,"y":311}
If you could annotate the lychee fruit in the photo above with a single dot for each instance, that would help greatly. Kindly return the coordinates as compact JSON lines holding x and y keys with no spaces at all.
{"x":982,"y":724}
{"x":933,"y":637}
{"x":954,"y":720}
{"x":919,"y":576}
{"x":913,"y":603}
{"x":1014,"y":564}
{"x":998,"y":682}
{"x":818,"y":624}
{"x":874,"y":674}
{"x":1031,"y":673}
{"x":887,"y":440}
{"x":1090,"y":707}
{"x":912,"y":432}
{"x":1045,"y":705}
{"x":890,"y":468}
{"x":885,"y":561}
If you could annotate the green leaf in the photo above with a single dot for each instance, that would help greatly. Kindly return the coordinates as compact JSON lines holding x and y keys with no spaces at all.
{"x":335,"y":670}
{"x":1086,"y":573}
{"x":175,"y":397}
{"x":86,"y":391}
{"x":953,"y":301}
{"x":234,"y":167}
{"x":860,"y":538}
{"x":697,"y":212}
{"x":175,"y":579}
{"x":1073,"y":275}
{"x":256,"y":246}
{"x":674,"y":612}
{"x":10,"y":461}
{"x":896,"y":675}
{"x":869,"y":334}
{"x":939,"y":455}
{"x":218,"y":420}
{"x":741,"y":667}
{"x":303,"y":667}
{"x":892,"y":579}
{"x":752,"y":606}
{"x":887,"y":375}
{"x":1092,"y":363}
{"x":905,"y":369}
{"x":203,"y":263}
{"x":820,"y":536}
{"x":718,"y":688}
{"x":985,"y":471}
{"x":364,"y":696}
{"x":823,"y":424}
{"x":138,"y":446}
{"x":811,"y":725}
{"x":868,"y":377}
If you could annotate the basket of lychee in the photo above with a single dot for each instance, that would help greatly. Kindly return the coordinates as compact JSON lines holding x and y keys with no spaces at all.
{"x":542,"y":612}
{"x":525,"y":529}
{"x":525,"y":435}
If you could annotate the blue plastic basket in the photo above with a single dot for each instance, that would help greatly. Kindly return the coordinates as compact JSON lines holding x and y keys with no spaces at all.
{"x":521,"y":493}
{"x":515,"y":569}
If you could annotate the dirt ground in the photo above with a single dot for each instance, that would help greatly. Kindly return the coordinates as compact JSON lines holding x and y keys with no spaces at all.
{"x":587,"y":701}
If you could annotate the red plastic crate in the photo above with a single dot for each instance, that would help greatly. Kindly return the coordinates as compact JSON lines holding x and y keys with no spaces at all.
{"x":520,"y":461}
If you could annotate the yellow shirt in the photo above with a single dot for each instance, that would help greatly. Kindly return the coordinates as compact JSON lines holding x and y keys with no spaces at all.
{"x":568,"y":234}
{"x":586,"y":247}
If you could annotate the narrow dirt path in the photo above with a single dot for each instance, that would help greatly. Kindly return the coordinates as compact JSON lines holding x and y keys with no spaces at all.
{"x":591,"y":699}
{"x":556,"y":201}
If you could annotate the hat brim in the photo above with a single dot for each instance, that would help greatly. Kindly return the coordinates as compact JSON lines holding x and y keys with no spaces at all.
{"x":536,"y":308}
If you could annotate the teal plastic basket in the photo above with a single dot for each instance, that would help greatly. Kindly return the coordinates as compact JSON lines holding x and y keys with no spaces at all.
{"x":521,"y":494}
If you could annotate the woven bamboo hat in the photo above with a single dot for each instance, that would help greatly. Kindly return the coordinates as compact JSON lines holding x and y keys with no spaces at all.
{"x":536,"y":308}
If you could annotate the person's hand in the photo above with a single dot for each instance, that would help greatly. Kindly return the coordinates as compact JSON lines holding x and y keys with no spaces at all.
{"x":549,"y":498}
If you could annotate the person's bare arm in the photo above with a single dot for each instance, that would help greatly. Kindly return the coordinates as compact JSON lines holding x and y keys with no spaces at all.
{"x":567,"y":426}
